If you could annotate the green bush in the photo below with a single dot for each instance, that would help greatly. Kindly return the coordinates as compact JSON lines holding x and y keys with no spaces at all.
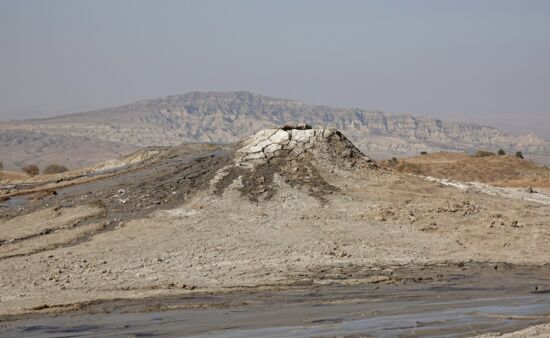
{"x":423,"y":153}
{"x":501,"y":152}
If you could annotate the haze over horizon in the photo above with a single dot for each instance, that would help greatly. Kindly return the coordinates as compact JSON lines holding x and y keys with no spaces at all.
{"x":454,"y":60}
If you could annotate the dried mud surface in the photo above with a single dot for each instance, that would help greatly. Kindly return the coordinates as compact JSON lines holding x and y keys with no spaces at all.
{"x":461,"y":300}
{"x":132,"y":193}
{"x":235,"y":218}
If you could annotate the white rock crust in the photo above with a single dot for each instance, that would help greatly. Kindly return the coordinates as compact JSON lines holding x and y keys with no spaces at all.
{"x":324,"y":144}
{"x":510,"y":193}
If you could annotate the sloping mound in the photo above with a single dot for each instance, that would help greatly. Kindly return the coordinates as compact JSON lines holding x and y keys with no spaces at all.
{"x":140,"y":156}
{"x":295,"y":156}
{"x":327,"y":146}
{"x":23,"y":146}
{"x":494,"y":170}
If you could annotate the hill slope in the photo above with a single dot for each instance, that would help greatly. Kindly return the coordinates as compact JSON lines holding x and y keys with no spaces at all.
{"x":495,"y":170}
{"x":227,"y":117}
{"x":19,"y":147}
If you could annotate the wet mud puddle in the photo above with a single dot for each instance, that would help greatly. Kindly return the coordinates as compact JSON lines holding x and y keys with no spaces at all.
{"x":333,"y":311}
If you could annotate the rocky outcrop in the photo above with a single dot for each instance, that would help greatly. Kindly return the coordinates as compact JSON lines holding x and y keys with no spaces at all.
{"x":326,"y":146}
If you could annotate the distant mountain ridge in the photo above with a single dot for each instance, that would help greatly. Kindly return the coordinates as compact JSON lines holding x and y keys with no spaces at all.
{"x":229,"y":116}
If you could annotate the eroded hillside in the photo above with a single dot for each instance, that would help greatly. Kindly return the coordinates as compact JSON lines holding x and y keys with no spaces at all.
{"x":228,"y":117}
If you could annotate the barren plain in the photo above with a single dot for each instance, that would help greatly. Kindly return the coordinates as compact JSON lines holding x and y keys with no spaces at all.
{"x":285,"y":208}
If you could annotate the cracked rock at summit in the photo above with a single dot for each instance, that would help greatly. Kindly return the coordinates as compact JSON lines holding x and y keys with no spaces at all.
{"x":297,"y":156}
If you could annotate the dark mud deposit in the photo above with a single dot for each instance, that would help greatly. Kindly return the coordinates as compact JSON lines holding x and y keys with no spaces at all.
{"x":259,"y":183}
{"x":468,"y":299}
{"x":133,"y":192}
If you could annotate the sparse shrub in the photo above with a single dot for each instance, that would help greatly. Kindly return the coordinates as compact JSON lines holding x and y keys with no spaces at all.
{"x":519,"y":154}
{"x":296,"y":126}
{"x":409,"y":168}
{"x":1,"y":165}
{"x":393,"y":161}
{"x":54,"y":169}
{"x":423,"y":153}
{"x":31,"y":170}
{"x":484,"y":153}
{"x":501,"y":152}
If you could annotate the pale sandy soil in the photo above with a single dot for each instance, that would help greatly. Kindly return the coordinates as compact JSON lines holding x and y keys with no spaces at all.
{"x":529,"y":194}
{"x":10,"y":176}
{"x":538,"y":331}
{"x":219,"y":242}
{"x":272,"y":225}
{"x":45,"y":220}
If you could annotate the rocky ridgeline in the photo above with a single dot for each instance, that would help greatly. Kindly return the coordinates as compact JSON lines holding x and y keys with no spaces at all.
{"x":292,"y":156}
{"x":327,"y":146}
{"x":228,"y":117}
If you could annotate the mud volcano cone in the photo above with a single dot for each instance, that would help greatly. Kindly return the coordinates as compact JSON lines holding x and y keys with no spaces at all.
{"x":297,"y":157}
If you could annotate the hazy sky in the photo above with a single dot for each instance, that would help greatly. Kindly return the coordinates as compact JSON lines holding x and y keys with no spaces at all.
{"x":485,"y":61}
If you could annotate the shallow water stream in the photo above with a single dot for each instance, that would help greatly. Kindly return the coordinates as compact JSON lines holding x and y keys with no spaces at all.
{"x":331,"y":311}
